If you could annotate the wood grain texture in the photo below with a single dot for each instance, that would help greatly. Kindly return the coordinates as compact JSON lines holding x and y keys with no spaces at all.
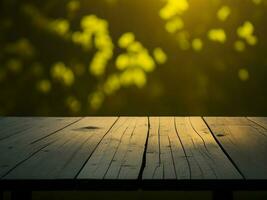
{"x":120,"y":153}
{"x":165,"y":158}
{"x":130,"y":148}
{"x":184,"y":148}
{"x":65,"y":152}
{"x":11,"y":126}
{"x":27,"y":130}
{"x":18,"y":147}
{"x":244,"y":141}
{"x":262,"y":121}
{"x":206,"y":158}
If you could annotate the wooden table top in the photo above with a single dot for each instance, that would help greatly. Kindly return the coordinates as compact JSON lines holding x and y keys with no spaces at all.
{"x":100,"y":149}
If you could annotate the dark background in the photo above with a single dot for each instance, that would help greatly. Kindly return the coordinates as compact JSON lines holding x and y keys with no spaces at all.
{"x":206,"y":82}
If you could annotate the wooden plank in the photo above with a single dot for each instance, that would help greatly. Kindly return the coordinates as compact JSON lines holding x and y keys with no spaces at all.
{"x":173,"y":162}
{"x":244,"y":141}
{"x":206,"y":158}
{"x":132,"y":151}
{"x":10,"y":126}
{"x":262,"y":121}
{"x":66,"y":152}
{"x":153,"y":167}
{"x":186,"y":150}
{"x":120,"y":153}
{"x":36,"y":129}
{"x":19,"y":147}
{"x":165,"y":158}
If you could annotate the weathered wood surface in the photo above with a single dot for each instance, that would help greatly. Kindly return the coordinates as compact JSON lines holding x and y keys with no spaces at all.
{"x":18,"y":147}
{"x":120,"y":153}
{"x":244,"y":141}
{"x":185,"y":149}
{"x":262,"y":121}
{"x":63,"y":154}
{"x":133,"y":148}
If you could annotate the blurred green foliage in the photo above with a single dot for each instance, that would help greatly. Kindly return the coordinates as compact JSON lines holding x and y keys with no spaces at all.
{"x":131,"y":57}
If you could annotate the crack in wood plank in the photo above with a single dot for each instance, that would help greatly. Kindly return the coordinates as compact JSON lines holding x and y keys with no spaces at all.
{"x":222,"y":148}
{"x":186,"y":156}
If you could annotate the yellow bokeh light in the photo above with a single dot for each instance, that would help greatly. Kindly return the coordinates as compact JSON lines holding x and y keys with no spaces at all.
{"x":60,"y":72}
{"x":73,"y":5}
{"x":96,"y":99}
{"x":44,"y":86}
{"x":98,"y":64}
{"x":112,"y":84}
{"x":252,"y":40}
{"x":197,"y":44}
{"x":135,"y":47}
{"x":92,"y":23}
{"x":243,"y":74}
{"x":60,"y":26}
{"x":133,"y":76}
{"x":183,"y":40}
{"x":126,"y":39}
{"x":239,"y":46}
{"x":122,"y":61}
{"x":257,"y":2}
{"x":217,"y":35}
{"x":73,"y":104}
{"x":160,"y":56}
{"x":246,"y":32}
{"x":103,"y":42}
{"x":173,"y":7}
{"x":14,"y":65}
{"x":145,"y":61}
{"x":95,"y":29}
{"x":82,"y":38}
{"x":174,"y":25}
{"x":22,"y":47}
{"x":223,"y":13}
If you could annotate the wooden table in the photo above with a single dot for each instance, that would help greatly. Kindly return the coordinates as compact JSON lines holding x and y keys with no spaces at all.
{"x":129,"y":153}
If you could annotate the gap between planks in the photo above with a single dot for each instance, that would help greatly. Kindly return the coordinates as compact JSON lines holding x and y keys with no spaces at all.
{"x":185,"y":150}
{"x":144,"y":158}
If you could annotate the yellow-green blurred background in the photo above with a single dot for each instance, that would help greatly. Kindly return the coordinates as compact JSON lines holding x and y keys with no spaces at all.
{"x":133,"y":57}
